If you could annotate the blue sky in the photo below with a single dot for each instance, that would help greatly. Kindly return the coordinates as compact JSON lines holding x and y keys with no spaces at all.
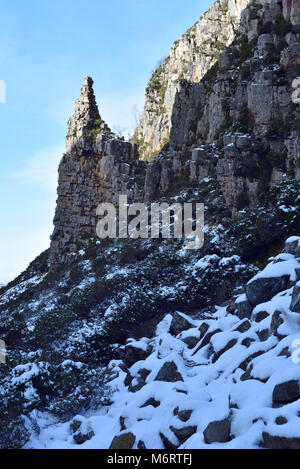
{"x":47,"y":47}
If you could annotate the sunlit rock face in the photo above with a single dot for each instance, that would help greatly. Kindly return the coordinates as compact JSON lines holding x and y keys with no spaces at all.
{"x":96,"y":167}
{"x":190,"y":58}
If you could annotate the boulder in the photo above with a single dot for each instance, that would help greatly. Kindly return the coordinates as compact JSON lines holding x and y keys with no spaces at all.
{"x":285,"y":352}
{"x":141,"y":445}
{"x":152,"y":402}
{"x":243,"y":327}
{"x":184,"y":433}
{"x":286,"y":392}
{"x":141,"y":380}
{"x":169,"y":373}
{"x":276,"y":322}
{"x":122,"y":423}
{"x":81,"y":430}
{"x":206,"y":340}
{"x":244,"y":308}
{"x":76,"y":423}
{"x":281,"y":420}
{"x":123,"y":441}
{"x":260,"y":316}
{"x":261,"y":290}
{"x":167,"y":443}
{"x":230,"y":344}
{"x":280,"y":442}
{"x":263,"y":335}
{"x":179,"y":324}
{"x":291,"y":245}
{"x":247,"y":341}
{"x":264,"y":42}
{"x":81,"y":437}
{"x":295,"y":303}
{"x":244,"y":365}
{"x":218,"y":431}
{"x":131,"y":355}
{"x":191,"y":341}
{"x":183,"y":415}
{"x":203,"y":329}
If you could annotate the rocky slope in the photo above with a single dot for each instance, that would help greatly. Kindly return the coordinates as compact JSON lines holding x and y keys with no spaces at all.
{"x":227,"y":378}
{"x":190,"y":58}
{"x":63,"y":328}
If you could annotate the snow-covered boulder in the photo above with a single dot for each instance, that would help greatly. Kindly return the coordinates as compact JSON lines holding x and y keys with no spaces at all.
{"x":280,"y":442}
{"x":218,"y":431}
{"x":123,"y":441}
{"x":291,"y":245}
{"x":179,"y":324}
{"x":169,"y":373}
{"x":286,"y":392}
{"x":244,"y":308}
{"x":81,"y":429}
{"x":184,"y":433}
{"x":295,"y":304}
{"x":272,"y":280}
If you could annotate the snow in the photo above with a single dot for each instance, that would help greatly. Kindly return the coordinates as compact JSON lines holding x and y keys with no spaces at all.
{"x":292,"y":239}
{"x":277,"y":269}
{"x":206,"y":390}
{"x":209,"y":384}
{"x":16,"y":291}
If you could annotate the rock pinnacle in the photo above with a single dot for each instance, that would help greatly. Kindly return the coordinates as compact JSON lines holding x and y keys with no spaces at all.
{"x":86,"y":119}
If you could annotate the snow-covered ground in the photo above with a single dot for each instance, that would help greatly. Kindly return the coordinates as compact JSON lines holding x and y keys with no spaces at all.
{"x":16,"y":291}
{"x":221,"y":368}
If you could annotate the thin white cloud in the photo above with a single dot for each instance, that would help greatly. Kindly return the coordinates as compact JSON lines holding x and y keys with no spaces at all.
{"x":41,"y":168}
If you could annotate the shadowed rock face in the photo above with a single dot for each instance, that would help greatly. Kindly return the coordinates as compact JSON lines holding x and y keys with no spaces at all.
{"x":218,"y":431}
{"x":263,"y":289}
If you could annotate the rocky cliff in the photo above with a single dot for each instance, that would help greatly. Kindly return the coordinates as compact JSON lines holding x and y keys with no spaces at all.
{"x":96,"y":168}
{"x":239,"y":124}
{"x":233,"y":119}
{"x":190,"y":58}
{"x":214,"y":345}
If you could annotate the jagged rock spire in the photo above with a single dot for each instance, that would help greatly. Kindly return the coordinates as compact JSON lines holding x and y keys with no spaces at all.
{"x":86,"y":119}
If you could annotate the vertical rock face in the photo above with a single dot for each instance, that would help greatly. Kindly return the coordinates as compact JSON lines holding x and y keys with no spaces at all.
{"x":232,"y":119}
{"x":96,"y":168}
{"x":291,"y":11}
{"x":239,"y":124}
{"x":190,"y":58}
